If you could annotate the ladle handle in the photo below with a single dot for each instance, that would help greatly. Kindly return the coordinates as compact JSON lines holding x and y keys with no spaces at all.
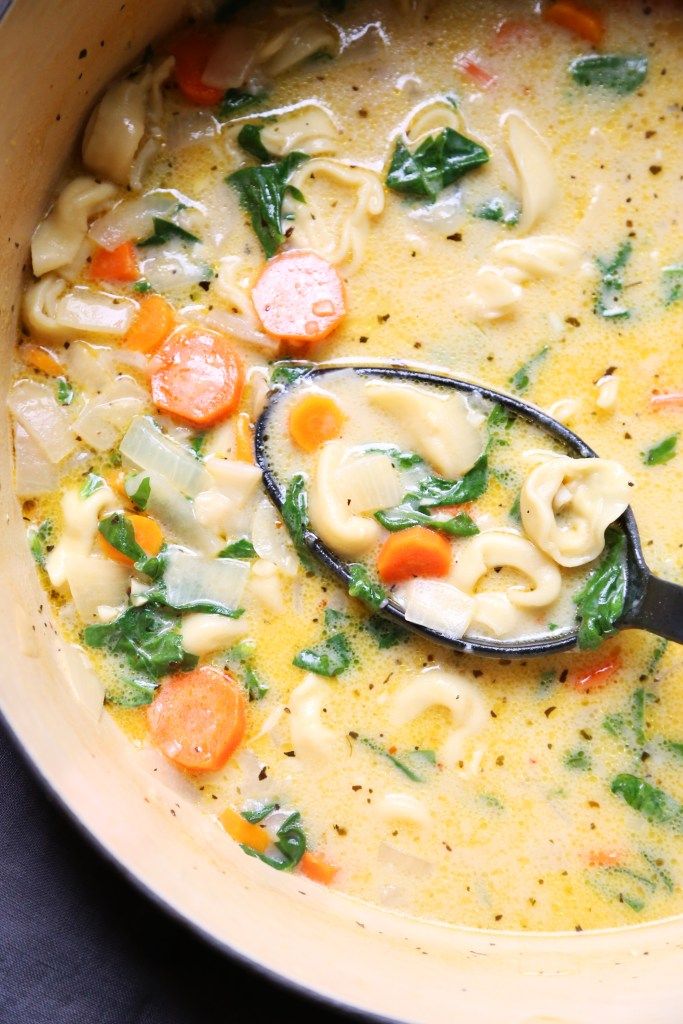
{"x":659,"y":609}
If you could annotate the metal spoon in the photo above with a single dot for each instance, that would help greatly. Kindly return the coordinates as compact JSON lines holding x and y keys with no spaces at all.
{"x":651,"y":603}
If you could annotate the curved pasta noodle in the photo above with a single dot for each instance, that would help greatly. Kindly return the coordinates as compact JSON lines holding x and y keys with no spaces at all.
{"x":499,"y":548}
{"x":430,"y":117}
{"x":265,"y":584}
{"x":296,"y":42}
{"x":51,"y":310}
{"x":58,"y":238}
{"x":116,"y":128}
{"x":533,"y":163}
{"x":204,"y":633}
{"x":348,"y":534}
{"x":497,"y":292}
{"x":442,"y":428}
{"x":309,"y":128}
{"x":80,"y":520}
{"x":325,"y":223}
{"x":567,"y":504}
{"x":402,"y":807}
{"x":310,"y":738}
{"x":437,"y":688}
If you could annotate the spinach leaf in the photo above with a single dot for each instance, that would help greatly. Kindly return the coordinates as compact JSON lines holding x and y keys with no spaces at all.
{"x":403,"y":762}
{"x":65,"y":391}
{"x":255,"y":815}
{"x":515,"y":511}
{"x":500,"y":418}
{"x":238,"y":99}
{"x":92,"y":483}
{"x":618,"y":72}
{"x":261,"y":192}
{"x":118,"y":531}
{"x":241,"y":548}
{"x":38,"y":537}
{"x":255,"y":686}
{"x":249,"y":139}
{"x":386,"y":634}
{"x":290,"y":841}
{"x":662,"y":452}
{"x":600,"y":601}
{"x":434,"y":491}
{"x":521,"y":379}
{"x":197,"y":443}
{"x":401,"y":460}
{"x":329,"y":658}
{"x":147,"y":637}
{"x":402,"y":516}
{"x":286,"y":373}
{"x":131,"y":693}
{"x":577,"y":760}
{"x":674,"y":747}
{"x":142,"y":287}
{"x":608,"y":302}
{"x":141,"y":495}
{"x":656,"y":805}
{"x":672,"y":284}
{"x":364,"y":587}
{"x":295,"y":516}
{"x":437,"y":162}
{"x":164,"y":231}
{"x":503,"y":211}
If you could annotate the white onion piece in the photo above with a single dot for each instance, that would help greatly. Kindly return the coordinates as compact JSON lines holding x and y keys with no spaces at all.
{"x":34,"y":474}
{"x":94,"y":582}
{"x":445,"y":213}
{"x":88,"y":366}
{"x":84,"y":682}
{"x":176,"y":515}
{"x":406,"y":863}
{"x":232,"y":57}
{"x":189,"y":579}
{"x":241,"y":329}
{"x":191,"y":127}
{"x":106,"y":416}
{"x":146,"y":447}
{"x":271,"y":540}
{"x":436,"y":604}
{"x":35,"y":407}
{"x":171,"y":268}
{"x":369,"y":483}
{"x":131,"y":219}
{"x":95,"y":312}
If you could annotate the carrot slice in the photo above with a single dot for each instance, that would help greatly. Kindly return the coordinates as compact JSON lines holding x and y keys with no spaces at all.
{"x":41,"y":359}
{"x":153,"y":323}
{"x":244,"y":832}
{"x":604,"y":858}
{"x":118,"y":265}
{"x":299,"y":297}
{"x":315,"y":419}
{"x":244,"y":437}
{"x":317,"y":868}
{"x":192,"y":51}
{"x":666,"y":399}
{"x":598,"y":674}
{"x":580,"y":20}
{"x":147,"y":534}
{"x":197,"y":376}
{"x":197,"y":719}
{"x":474,"y":70}
{"x":416,"y":551}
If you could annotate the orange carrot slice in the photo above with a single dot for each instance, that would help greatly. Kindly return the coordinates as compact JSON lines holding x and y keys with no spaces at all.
{"x":147,"y":534}
{"x":118,"y":265}
{"x":666,"y":399}
{"x":299,"y":297}
{"x":315,"y":419}
{"x":604,"y":858}
{"x":244,"y":438}
{"x":197,"y":719}
{"x":41,"y":359}
{"x":153,"y":323}
{"x":416,"y":551}
{"x":192,"y":51}
{"x":580,"y":20}
{"x":317,"y":868}
{"x":597,"y":674}
{"x":244,"y":832}
{"x":197,"y":376}
{"x":471,"y":67}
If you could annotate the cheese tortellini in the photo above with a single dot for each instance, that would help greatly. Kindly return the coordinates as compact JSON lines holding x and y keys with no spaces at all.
{"x":57,"y":239}
{"x":567,"y":504}
{"x":497,"y":549}
{"x":348,"y":534}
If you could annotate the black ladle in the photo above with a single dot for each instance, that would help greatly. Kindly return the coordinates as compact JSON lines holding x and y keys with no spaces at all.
{"x":652,"y":604}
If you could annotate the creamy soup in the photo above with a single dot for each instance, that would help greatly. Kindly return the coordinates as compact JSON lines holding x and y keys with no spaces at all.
{"x":366,"y":182}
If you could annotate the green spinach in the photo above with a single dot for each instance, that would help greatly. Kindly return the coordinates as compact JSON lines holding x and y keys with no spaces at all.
{"x":329,"y":658}
{"x":650,"y":801}
{"x":621,"y":73}
{"x":165,"y":231}
{"x":147,"y":637}
{"x":601,"y":600}
{"x":663,"y":451}
{"x":242,"y":548}
{"x":295,"y":517}
{"x":437,"y":162}
{"x":608,"y":300}
{"x":362,"y":586}
{"x":261,"y":192}
{"x":521,"y":379}
{"x":38,"y":539}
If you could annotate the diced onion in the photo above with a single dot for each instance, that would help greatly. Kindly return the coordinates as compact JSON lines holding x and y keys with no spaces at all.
{"x":436,"y":604}
{"x":408,"y":864}
{"x":191,"y":127}
{"x":35,"y":407}
{"x":445,"y":212}
{"x":146,"y":447}
{"x":85,"y":684}
{"x":94,"y":582}
{"x":88,"y":366}
{"x":172,"y":268}
{"x":241,"y":328}
{"x":232,"y":57}
{"x":189,"y":579}
{"x":369,"y":483}
{"x":271,"y":540}
{"x":131,"y":219}
{"x":34,"y":473}
{"x":176,"y":515}
{"x":106,"y":416}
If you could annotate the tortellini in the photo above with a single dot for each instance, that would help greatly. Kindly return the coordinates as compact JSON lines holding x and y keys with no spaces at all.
{"x":567,"y":504}
{"x":81,"y":518}
{"x":334,"y":223}
{"x":503,"y":549}
{"x":430,"y":117}
{"x":119,"y":122}
{"x":51,"y":310}
{"x":533,"y":162}
{"x":203,"y":633}
{"x":442,"y":428}
{"x":349,"y":535}
{"x":310,"y":738}
{"x":297,"y":42}
{"x":57,"y":239}
{"x":309,"y":128}
{"x":436,"y":687}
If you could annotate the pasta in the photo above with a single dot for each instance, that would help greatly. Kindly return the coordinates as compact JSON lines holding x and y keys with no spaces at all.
{"x":349,"y":534}
{"x":52,"y":311}
{"x":310,"y":128}
{"x":310,"y":738}
{"x":291,"y":45}
{"x":494,"y":549}
{"x":533,"y":162}
{"x":57,"y":239}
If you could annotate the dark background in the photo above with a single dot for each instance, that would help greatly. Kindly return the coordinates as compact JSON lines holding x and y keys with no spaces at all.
{"x":79,"y":945}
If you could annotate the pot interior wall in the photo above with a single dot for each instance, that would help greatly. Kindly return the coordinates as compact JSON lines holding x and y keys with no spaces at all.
{"x":357,"y":955}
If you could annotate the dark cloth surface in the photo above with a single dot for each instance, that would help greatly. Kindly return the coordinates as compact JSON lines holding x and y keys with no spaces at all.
{"x":79,"y":945}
